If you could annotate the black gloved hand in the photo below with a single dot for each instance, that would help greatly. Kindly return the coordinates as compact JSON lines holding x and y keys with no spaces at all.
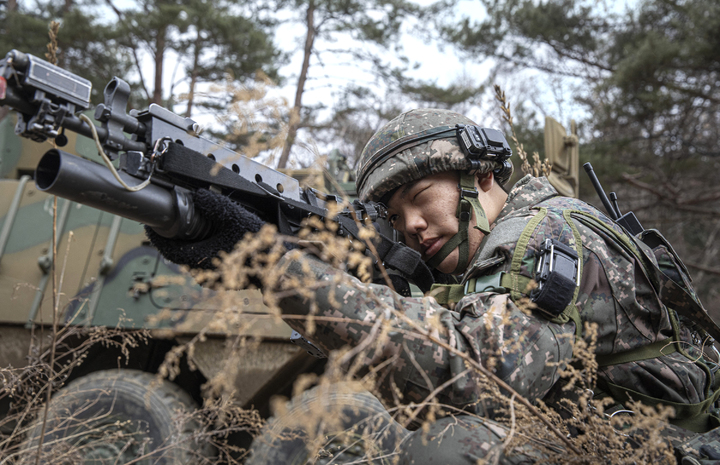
{"x":230,"y":223}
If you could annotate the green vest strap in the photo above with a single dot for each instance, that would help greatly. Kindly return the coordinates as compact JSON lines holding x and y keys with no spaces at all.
{"x":689,"y":416}
{"x":654,"y":350}
{"x":498,"y":282}
{"x":446,"y":294}
{"x":570,"y":313}
{"x":521,"y":247}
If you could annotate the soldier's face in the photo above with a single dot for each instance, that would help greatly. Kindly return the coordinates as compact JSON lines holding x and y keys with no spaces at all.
{"x":424,"y":212}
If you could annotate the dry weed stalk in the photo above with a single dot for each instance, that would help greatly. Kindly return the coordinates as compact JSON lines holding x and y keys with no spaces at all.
{"x":52,"y":58}
{"x":52,"y":46}
{"x":538,"y":167}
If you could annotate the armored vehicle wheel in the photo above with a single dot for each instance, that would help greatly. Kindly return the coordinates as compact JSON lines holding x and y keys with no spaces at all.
{"x":116,"y":417}
{"x":328,"y":426}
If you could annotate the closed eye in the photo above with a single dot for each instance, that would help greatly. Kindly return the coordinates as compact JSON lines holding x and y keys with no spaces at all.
{"x":417,"y":194}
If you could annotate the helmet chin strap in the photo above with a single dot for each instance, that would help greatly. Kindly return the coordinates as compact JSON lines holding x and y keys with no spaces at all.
{"x":468,"y":202}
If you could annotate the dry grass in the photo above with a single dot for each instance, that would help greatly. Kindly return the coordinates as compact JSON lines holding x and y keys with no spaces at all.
{"x":538,"y":167}
{"x":257,"y":261}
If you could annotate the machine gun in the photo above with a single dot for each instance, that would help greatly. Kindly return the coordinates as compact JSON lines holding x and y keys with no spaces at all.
{"x":162,"y":162}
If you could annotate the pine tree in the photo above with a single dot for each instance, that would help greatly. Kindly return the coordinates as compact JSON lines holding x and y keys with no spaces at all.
{"x":220,"y":42}
{"x":649,"y":79}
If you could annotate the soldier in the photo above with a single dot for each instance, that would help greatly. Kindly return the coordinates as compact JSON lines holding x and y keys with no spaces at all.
{"x":451,"y":205}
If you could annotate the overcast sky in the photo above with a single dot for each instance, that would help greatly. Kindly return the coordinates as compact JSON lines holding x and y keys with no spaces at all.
{"x":440,"y":64}
{"x":547,"y":95}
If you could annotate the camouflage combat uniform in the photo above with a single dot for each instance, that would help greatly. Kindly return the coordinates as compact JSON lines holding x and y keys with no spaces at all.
{"x":614,"y":292}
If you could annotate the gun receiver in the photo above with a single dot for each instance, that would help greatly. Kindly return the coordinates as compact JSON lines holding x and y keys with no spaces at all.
{"x":161,"y":163}
{"x":628,"y":221}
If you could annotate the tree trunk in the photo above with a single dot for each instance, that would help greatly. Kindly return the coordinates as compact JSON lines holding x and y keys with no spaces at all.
{"x":297,"y":108}
{"x":11,"y":6}
{"x":159,"y":55}
{"x":193,"y":76}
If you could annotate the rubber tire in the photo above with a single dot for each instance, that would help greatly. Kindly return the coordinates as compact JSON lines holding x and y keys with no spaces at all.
{"x":123,"y":402}
{"x":358,"y":413}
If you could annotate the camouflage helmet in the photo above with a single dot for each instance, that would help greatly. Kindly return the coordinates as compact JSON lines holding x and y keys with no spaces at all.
{"x":415,"y":144}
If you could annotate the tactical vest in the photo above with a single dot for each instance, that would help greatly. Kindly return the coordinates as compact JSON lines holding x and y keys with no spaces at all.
{"x":657,"y":259}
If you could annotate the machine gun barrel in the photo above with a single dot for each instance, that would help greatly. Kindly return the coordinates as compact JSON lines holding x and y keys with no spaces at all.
{"x":75,"y":124}
{"x":169,"y":211}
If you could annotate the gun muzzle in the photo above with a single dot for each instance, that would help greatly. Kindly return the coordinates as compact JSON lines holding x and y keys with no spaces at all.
{"x":170,"y":212}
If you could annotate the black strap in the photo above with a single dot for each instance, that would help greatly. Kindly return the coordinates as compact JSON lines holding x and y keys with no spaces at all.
{"x":407,"y":261}
{"x":202,"y":171}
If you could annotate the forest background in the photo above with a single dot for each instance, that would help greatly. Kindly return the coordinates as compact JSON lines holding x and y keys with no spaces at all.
{"x":289,"y":80}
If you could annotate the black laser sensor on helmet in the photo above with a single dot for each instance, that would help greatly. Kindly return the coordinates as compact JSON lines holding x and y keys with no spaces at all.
{"x":486,"y":144}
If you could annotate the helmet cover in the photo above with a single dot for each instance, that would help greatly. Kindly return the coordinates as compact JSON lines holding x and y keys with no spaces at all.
{"x":416,"y":144}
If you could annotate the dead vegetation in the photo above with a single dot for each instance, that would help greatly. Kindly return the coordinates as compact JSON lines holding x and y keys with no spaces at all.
{"x":585,"y":435}
{"x":323,"y":426}
{"x":336,"y":422}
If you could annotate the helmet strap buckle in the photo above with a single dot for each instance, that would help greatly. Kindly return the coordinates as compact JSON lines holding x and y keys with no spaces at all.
{"x":468,"y":193}
{"x":468,"y":202}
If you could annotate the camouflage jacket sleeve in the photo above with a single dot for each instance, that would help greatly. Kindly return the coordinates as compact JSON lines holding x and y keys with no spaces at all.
{"x":488,"y":327}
